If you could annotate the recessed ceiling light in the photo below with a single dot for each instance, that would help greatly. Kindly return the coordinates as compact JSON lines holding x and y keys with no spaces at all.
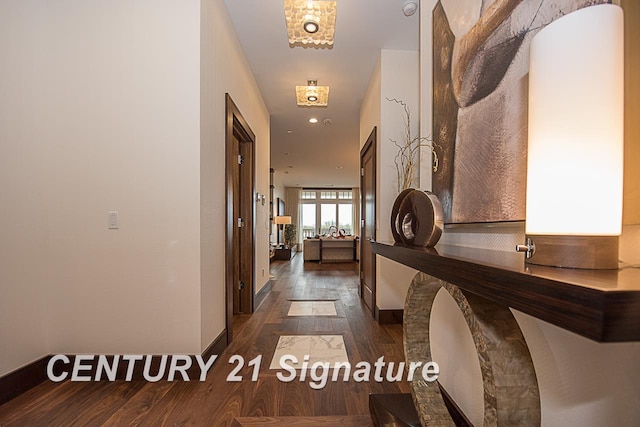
{"x":312,"y":98}
{"x":338,"y":167}
{"x":289,"y":131}
{"x":285,"y":153}
{"x":311,"y":25}
{"x":313,"y":120}
{"x":290,"y":167}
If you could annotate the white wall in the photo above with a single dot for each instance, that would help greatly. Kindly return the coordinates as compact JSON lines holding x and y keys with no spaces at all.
{"x":23,"y":277}
{"x":582,"y":383}
{"x":426,"y":87}
{"x":226,"y":69}
{"x":98,"y":116}
{"x":452,"y":347}
{"x":101,"y":110}
{"x":370,"y":108}
{"x":394,"y":76}
{"x":399,"y":80}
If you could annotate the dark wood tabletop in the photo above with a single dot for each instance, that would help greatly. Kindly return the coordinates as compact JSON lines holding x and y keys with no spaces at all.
{"x":603,"y":305}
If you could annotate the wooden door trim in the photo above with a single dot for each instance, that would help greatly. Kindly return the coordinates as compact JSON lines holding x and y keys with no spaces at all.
{"x":235,"y":124}
{"x":371,"y":143}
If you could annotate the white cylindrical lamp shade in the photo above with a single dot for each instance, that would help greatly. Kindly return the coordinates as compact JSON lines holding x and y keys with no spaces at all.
{"x":576,"y":125}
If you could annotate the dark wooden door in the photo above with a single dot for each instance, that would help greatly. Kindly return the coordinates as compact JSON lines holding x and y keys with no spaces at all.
{"x":243,"y":229}
{"x":240,"y":227}
{"x":368,"y":221}
{"x":237,"y":241}
{"x":246,"y":229}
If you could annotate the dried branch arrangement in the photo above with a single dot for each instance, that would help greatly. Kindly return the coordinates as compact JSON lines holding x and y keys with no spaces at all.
{"x":407,"y":159}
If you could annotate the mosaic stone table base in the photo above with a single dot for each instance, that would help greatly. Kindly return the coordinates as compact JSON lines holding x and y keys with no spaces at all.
{"x":511,"y":394}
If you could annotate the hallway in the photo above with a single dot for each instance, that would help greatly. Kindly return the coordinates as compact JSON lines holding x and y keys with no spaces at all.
{"x":216,"y":401}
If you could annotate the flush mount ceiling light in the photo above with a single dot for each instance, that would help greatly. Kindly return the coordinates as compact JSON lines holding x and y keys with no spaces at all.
{"x":313,"y":120}
{"x":310,"y":23}
{"x":312,"y":95}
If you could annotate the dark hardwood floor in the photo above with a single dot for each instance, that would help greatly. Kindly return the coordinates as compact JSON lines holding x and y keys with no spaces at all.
{"x":216,"y":402}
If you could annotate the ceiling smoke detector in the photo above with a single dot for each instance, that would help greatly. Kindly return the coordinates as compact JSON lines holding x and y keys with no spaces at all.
{"x":409,"y":7}
{"x":327,"y":122}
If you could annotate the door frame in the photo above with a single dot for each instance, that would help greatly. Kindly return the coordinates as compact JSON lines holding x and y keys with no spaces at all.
{"x":371,"y":143}
{"x":236,"y":125}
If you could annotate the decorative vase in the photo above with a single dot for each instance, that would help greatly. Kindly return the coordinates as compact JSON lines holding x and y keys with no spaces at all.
{"x":417,"y":218}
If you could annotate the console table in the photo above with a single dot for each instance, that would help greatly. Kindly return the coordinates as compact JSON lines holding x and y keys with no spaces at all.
{"x":603,"y":305}
{"x":328,"y":249}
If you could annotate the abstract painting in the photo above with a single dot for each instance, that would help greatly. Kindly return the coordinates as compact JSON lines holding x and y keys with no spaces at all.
{"x":480,"y":97}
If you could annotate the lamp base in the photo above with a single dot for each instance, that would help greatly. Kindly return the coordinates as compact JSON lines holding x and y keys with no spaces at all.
{"x":586,"y":252}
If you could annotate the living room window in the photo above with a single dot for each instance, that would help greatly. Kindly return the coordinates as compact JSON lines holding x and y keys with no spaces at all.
{"x":307,"y":195}
{"x":324,"y":211}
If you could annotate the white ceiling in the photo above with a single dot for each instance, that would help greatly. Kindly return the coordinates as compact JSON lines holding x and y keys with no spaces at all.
{"x":319,"y":155}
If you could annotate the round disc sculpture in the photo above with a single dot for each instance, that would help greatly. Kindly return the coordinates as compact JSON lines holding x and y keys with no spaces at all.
{"x":417,"y":218}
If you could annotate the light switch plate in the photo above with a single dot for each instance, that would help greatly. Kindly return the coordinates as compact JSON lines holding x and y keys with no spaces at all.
{"x":113,"y":220}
